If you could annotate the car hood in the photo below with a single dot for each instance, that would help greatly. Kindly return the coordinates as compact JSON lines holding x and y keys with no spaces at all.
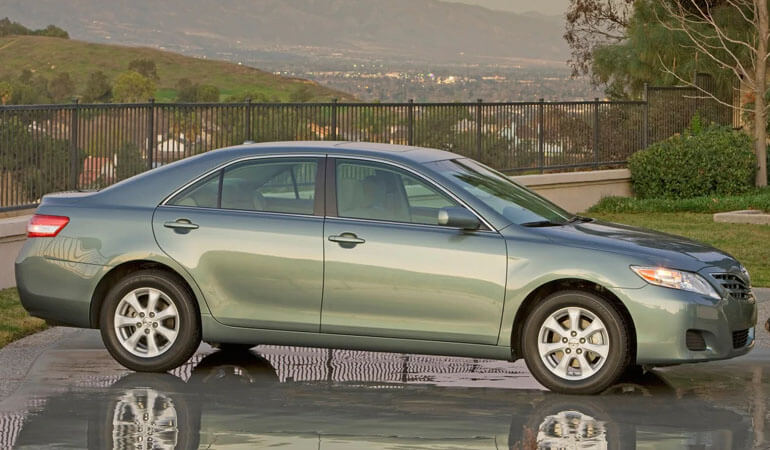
{"x":651,"y":247}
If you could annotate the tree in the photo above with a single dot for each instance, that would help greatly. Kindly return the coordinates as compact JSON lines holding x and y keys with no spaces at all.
{"x":206,"y":93}
{"x":145,"y":67}
{"x":9,"y":28}
{"x":30,"y":90}
{"x":98,"y":88}
{"x":131,"y":87}
{"x":592,"y":23}
{"x":625,"y":67}
{"x":741,"y":49}
{"x":61,"y":88}
{"x":185,"y":91}
{"x":52,"y":31}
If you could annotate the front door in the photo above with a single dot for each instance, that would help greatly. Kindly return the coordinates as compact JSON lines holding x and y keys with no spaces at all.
{"x":251,"y":237}
{"x":392,"y":271}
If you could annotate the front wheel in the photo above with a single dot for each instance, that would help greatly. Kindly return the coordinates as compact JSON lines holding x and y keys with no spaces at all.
{"x":149,"y":322}
{"x":575,"y":342}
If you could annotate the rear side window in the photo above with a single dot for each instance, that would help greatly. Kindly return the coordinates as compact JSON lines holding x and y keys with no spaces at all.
{"x":280,"y":185}
{"x":203,"y":194}
{"x":285,"y":186}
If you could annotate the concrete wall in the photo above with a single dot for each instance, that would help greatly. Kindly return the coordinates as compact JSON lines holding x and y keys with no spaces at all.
{"x":574,"y":191}
{"x":578,"y":191}
{"x":13,"y":233}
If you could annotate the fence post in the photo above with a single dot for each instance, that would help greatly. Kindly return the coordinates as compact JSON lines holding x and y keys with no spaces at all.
{"x":73,"y":181}
{"x":541,"y":134}
{"x":248,"y":120}
{"x":151,"y":139}
{"x":478,"y":129}
{"x":410,"y":122}
{"x":596,"y":132}
{"x":334,"y":119}
{"x":646,"y":118}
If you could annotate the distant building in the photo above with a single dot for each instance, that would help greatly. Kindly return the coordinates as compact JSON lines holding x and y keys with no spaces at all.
{"x":170,"y":149}
{"x":96,"y":168}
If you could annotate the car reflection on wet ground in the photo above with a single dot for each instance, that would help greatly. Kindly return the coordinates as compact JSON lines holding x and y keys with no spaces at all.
{"x":76,"y":396}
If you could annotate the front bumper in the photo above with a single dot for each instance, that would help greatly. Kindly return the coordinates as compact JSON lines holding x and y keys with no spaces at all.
{"x":662,"y":317}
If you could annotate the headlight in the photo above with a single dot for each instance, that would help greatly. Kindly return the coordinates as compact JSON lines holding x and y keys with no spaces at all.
{"x":676,"y":279}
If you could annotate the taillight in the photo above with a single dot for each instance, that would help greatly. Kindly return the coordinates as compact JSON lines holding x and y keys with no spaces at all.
{"x":46,"y":226}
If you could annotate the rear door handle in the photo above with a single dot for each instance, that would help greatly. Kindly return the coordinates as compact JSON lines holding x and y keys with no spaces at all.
{"x":181,"y":224}
{"x":346,"y":238}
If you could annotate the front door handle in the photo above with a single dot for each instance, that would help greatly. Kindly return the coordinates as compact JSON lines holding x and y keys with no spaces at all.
{"x":346,"y":239}
{"x":181,"y":224}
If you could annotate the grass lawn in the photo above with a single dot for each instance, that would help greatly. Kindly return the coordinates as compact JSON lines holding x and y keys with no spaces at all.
{"x":15,"y":323}
{"x":748,"y":243}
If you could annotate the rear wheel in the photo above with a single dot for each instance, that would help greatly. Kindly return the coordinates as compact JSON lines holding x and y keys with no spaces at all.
{"x":149,"y":322}
{"x":575,"y":342}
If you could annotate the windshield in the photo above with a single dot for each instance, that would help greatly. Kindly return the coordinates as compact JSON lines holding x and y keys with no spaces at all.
{"x":514,"y":202}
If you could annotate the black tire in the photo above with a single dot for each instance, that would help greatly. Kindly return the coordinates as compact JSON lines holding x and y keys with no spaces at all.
{"x":188,"y":335}
{"x":618,"y":356}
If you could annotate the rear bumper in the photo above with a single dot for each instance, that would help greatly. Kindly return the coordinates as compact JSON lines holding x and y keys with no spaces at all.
{"x":55,"y":290}
{"x":663,"y":316}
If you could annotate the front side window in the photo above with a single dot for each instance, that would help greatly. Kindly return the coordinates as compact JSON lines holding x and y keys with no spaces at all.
{"x":515,"y":203}
{"x":368,"y":190}
{"x":280,"y":185}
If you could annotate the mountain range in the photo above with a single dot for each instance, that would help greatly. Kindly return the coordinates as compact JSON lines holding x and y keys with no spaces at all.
{"x":417,"y":30}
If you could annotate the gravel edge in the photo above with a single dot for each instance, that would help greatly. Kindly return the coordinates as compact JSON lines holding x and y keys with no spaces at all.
{"x":18,"y":357}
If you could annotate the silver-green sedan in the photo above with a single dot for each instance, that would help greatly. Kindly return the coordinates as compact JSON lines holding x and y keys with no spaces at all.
{"x":375,"y":247}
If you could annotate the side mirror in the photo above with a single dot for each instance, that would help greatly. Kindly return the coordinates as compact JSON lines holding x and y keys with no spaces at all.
{"x":458,"y":217}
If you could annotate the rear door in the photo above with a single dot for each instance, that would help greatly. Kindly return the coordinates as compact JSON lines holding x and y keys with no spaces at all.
{"x":251,"y":237}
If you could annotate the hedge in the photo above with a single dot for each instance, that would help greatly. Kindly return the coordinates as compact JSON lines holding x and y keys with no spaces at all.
{"x":703,"y":161}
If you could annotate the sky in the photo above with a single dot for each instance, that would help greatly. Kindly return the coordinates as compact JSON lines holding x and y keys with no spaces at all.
{"x":549,"y":7}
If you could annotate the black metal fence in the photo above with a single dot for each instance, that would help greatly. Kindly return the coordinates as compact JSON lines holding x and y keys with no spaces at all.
{"x":47,"y":148}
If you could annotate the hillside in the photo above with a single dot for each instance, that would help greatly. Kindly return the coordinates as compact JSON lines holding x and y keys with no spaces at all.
{"x":49,"y":56}
{"x":548,"y":7}
{"x":418,"y":30}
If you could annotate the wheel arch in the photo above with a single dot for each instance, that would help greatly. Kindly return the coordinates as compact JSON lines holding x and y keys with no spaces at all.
{"x":121,"y":270}
{"x":546,"y":289}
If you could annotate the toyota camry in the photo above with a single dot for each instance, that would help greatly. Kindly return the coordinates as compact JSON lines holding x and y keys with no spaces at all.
{"x":375,"y":247}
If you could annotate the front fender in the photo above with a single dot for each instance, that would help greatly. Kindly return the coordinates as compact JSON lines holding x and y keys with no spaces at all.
{"x":537,"y":263}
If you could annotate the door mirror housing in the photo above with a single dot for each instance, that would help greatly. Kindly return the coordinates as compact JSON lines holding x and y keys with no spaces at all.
{"x":458,"y":217}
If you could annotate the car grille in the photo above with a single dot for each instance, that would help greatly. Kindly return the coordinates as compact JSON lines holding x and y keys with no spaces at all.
{"x":734,"y":285}
{"x":740,"y":338}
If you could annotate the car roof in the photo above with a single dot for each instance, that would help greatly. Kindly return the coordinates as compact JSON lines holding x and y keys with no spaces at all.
{"x":341,"y":148}
{"x":150,"y":187}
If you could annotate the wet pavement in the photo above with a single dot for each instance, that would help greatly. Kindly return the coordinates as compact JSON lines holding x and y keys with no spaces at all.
{"x":74,"y":395}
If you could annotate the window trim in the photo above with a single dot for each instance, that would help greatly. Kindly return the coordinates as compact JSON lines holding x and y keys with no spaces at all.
{"x":331,"y":193}
{"x":318,"y":201}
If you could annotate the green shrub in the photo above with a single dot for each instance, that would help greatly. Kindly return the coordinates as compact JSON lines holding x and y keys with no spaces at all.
{"x":129,"y":161}
{"x":705,"y":160}
{"x":755,"y":199}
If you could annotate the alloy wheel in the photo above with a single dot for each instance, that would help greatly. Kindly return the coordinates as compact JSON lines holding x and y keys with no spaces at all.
{"x":573,"y":343}
{"x":146,"y":322}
